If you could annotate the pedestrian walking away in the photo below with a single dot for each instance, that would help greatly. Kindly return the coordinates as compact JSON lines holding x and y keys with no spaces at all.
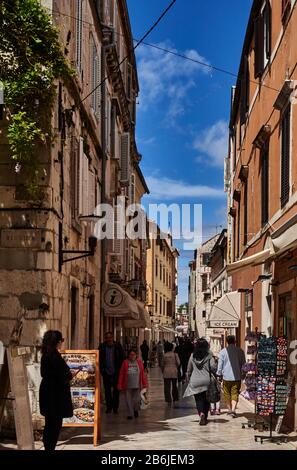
{"x":201,"y":366}
{"x":230,"y":370}
{"x":132,"y":380}
{"x":111,"y":356}
{"x":54,"y":393}
{"x":144,"y":348}
{"x":170,"y":366}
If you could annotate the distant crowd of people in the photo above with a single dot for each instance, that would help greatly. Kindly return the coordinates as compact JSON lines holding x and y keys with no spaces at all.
{"x":182,"y":361}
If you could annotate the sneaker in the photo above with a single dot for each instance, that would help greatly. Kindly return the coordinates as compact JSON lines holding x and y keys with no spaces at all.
{"x":233,"y":414}
{"x":129,"y":417}
{"x":136,"y":414}
{"x":203,"y":420}
{"x":229,"y":412}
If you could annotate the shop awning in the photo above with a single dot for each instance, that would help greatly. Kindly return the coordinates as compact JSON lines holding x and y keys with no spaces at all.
{"x":257,"y":258}
{"x":285,"y":237}
{"x":118,"y":303}
{"x":144,"y":320}
{"x":225,"y":313}
{"x":166,"y":329}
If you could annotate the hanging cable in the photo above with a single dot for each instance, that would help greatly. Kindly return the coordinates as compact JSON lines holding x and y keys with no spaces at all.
{"x":135,"y":47}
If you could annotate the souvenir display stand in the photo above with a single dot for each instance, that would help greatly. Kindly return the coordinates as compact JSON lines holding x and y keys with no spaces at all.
{"x":250,"y":370}
{"x":271,"y":386}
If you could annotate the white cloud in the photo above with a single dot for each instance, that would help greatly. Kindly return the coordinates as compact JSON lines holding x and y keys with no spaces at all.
{"x":148,"y":141}
{"x":213,"y":142}
{"x":162,"y":188}
{"x":165,"y":76}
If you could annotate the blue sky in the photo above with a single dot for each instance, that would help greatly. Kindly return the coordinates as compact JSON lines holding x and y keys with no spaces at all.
{"x":183,"y":108}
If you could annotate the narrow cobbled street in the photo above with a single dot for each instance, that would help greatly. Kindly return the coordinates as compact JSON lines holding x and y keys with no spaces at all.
{"x":160,"y":427}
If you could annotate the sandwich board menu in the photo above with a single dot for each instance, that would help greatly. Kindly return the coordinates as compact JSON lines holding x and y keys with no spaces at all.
{"x":85,"y":390}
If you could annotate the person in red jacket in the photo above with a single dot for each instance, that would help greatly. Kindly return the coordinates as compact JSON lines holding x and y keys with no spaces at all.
{"x":132,"y":380}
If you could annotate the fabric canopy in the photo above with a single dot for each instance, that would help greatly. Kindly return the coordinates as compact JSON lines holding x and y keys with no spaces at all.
{"x":286,"y":240}
{"x":225,"y":313}
{"x":166,"y":329}
{"x":257,"y":258}
{"x":144,"y":320}
{"x":118,"y":303}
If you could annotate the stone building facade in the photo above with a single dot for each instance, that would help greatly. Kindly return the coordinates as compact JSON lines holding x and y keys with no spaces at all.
{"x":94,"y":159}
{"x":161,"y":277}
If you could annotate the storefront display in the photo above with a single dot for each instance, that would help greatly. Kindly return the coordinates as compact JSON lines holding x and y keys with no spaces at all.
{"x":85,"y":390}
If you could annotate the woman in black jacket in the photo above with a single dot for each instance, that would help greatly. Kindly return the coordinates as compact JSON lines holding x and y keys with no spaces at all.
{"x":54,"y":394}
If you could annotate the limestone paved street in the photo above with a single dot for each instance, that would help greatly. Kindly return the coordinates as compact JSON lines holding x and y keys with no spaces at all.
{"x":173,"y":429}
{"x":163,"y":428}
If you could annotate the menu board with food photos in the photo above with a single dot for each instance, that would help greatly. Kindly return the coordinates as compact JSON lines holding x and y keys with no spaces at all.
{"x":85,"y":389}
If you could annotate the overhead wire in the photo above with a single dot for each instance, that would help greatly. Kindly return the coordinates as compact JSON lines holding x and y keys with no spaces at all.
{"x":175,"y":53}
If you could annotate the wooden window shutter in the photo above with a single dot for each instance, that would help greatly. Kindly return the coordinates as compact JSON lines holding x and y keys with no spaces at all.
{"x":85,"y":187}
{"x":98,"y":92}
{"x":80,"y":176}
{"x":132,"y":188}
{"x":265,"y":184}
{"x":125,"y":157}
{"x":74,"y":197}
{"x":79,"y":34}
{"x":268,"y":19}
{"x":91,"y":195}
{"x":245,"y":82}
{"x":245,"y":233}
{"x":107,"y":121}
{"x":113,"y":132}
{"x":259,"y":46}
{"x":285,"y":158}
{"x":93,"y":72}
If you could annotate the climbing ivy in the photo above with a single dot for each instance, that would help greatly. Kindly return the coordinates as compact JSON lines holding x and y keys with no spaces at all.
{"x":31,"y":61}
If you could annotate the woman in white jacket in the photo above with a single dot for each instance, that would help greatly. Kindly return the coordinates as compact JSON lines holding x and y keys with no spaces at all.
{"x":201,"y":365}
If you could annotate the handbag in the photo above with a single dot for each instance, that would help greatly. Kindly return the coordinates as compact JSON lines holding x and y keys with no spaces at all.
{"x":213,"y":393}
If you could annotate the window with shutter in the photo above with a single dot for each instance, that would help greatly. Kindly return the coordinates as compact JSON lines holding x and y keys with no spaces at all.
{"x":74,"y":178}
{"x":107,"y":121}
{"x":113,"y":133}
{"x":245,"y":230}
{"x":98,"y":91}
{"x":265,"y":184}
{"x":262,"y":27}
{"x":238,"y":247}
{"x":285,"y":157}
{"x":132,"y":188}
{"x":267,"y":24}
{"x":80,"y":175}
{"x":79,"y":35}
{"x":85,"y":187}
{"x":245,"y":91}
{"x":91,"y":193}
{"x":286,"y":7}
{"x":259,"y":49}
{"x":125,"y":157}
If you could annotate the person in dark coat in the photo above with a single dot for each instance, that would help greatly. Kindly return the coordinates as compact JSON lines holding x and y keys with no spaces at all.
{"x":144,"y":353}
{"x":111,"y":357}
{"x":54,"y":393}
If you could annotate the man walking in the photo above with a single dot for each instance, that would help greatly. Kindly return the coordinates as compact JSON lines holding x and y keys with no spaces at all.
{"x":231,"y":361}
{"x":144,"y":353}
{"x":111,"y":357}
